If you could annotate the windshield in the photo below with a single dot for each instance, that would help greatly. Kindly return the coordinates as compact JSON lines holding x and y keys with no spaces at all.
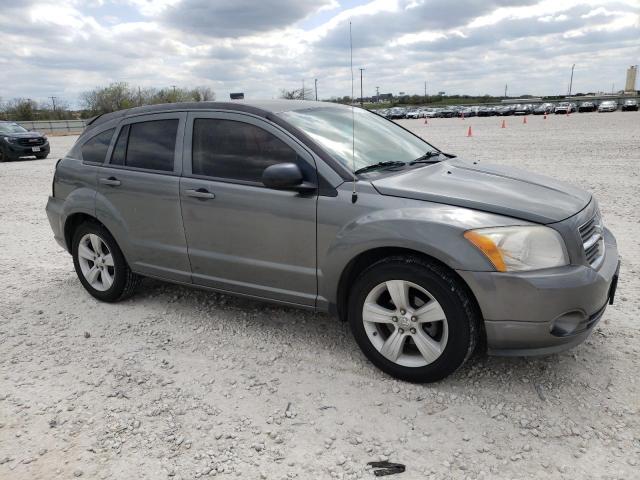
{"x":11,"y":128}
{"x":376,"y":139}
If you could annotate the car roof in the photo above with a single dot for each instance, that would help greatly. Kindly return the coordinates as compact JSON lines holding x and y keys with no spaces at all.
{"x":258,"y":107}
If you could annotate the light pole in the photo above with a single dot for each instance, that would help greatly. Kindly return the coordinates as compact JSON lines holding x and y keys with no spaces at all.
{"x":316,"y":86}
{"x":377,"y":94}
{"x":571,"y":81}
{"x":505,"y":90}
{"x":361,"y":99}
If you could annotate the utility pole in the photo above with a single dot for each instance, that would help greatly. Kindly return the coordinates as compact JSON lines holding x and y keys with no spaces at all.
{"x":361,"y":99}
{"x":505,"y":90}
{"x":377,"y":94}
{"x":316,"y":86}
{"x":425,"y":89}
{"x":303,"y":89}
{"x":174,"y":92}
{"x":571,"y":81}
{"x":53,"y":101}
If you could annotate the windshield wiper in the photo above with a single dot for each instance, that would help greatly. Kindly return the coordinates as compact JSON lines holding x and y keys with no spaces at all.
{"x":426,"y":158}
{"x":378,"y":165}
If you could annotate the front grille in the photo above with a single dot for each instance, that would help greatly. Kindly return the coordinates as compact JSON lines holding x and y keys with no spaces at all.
{"x":593,"y":241}
{"x":31,"y":142}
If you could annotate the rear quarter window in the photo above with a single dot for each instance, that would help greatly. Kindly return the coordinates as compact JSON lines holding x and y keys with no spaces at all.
{"x":95,"y":149}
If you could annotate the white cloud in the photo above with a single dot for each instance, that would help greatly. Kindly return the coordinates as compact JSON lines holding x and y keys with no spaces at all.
{"x":466,"y":46}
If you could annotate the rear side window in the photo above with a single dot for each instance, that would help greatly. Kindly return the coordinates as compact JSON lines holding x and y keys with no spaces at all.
{"x":95,"y":149}
{"x":149,"y":145}
{"x":235,"y":150}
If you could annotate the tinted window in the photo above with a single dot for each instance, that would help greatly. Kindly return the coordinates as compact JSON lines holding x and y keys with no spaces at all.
{"x":120,"y":148}
{"x":151,"y":145}
{"x":95,"y":149}
{"x":235,"y":150}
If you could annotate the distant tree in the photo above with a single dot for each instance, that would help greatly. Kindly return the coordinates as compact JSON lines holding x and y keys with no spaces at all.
{"x":298,"y":94}
{"x":21,"y":109}
{"x":203,"y":94}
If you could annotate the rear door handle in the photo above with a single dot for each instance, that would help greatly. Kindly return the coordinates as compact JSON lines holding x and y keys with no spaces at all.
{"x":111,"y":181}
{"x":200,"y":193}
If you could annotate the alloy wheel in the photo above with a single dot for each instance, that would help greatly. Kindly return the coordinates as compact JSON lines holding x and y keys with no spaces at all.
{"x":96,"y":262}
{"x":405,"y":323}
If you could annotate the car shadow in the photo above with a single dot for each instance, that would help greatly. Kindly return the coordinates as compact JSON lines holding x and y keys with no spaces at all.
{"x":509,"y":377}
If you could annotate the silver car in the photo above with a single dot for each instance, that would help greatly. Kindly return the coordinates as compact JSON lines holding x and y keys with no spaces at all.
{"x":427,"y":256}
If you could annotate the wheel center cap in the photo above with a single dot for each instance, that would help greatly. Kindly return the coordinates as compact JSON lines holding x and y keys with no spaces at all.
{"x":404,"y":322}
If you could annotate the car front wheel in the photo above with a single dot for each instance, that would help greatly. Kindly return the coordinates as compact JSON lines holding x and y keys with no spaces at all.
{"x":100,"y":265}
{"x":413,"y":319}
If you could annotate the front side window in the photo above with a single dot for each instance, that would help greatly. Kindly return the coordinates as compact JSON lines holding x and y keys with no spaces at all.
{"x":235,"y":150}
{"x":376,"y":139}
{"x":95,"y":149}
{"x":149,"y":145}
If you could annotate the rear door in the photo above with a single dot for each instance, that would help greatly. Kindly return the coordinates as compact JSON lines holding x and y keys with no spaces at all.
{"x":139,"y":195}
{"x":242,"y":236}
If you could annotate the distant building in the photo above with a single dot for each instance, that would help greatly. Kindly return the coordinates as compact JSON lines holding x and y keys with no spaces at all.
{"x":630,"y":85}
{"x":237,"y":96}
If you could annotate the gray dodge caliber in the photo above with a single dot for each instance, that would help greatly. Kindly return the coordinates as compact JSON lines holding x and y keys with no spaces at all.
{"x":336,"y":209}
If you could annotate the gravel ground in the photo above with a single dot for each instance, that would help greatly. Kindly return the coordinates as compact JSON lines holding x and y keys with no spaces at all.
{"x":180,"y":384}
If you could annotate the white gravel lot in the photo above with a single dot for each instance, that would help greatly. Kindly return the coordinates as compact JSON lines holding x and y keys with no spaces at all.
{"x":180,"y":384}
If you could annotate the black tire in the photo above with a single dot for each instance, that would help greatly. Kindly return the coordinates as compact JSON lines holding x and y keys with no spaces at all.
{"x":463,"y":318}
{"x":42,"y":157}
{"x":124,"y":280}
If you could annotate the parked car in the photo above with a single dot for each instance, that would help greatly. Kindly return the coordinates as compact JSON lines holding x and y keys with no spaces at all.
{"x":429,"y":258}
{"x":505,"y":110}
{"x":416,"y":113}
{"x":587,"y":107}
{"x":448,"y":112}
{"x":630,"y":104}
{"x":17,"y":142}
{"x":543,"y":109}
{"x":432,"y":113}
{"x":397,"y":113}
{"x":608,"y":106}
{"x":523,"y":109}
{"x":565,"y":107}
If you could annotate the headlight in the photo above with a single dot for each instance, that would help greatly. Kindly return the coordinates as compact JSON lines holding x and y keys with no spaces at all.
{"x":513,"y":249}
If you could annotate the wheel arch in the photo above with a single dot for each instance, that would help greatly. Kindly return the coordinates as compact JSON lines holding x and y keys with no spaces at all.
{"x":367,"y":258}
{"x":73,"y":221}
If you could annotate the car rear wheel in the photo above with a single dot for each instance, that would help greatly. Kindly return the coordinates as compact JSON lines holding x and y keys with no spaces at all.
{"x":100,"y":265}
{"x":413,"y":319}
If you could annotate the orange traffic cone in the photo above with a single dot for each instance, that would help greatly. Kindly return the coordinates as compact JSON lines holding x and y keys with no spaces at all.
{"x":504,"y":123}
{"x":524,"y":119}
{"x":469,"y":134}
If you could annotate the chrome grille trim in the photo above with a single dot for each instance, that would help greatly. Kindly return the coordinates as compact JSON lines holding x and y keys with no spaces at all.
{"x":591,"y":234}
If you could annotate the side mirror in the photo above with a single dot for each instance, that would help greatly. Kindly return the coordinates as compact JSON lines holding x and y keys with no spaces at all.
{"x":285,"y":176}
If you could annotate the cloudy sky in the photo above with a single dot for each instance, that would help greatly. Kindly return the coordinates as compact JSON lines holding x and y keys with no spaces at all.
{"x":64,"y":47}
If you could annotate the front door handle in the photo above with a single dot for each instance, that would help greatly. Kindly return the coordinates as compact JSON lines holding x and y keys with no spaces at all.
{"x":200,"y":193}
{"x":111,"y":181}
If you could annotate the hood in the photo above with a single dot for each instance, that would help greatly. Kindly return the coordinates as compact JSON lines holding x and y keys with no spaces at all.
{"x":23,"y":135}
{"x":491,"y":188}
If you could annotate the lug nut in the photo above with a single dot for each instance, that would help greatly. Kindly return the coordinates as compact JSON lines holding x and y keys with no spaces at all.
{"x":401,"y":330}
{"x":395,"y":319}
{"x":402,"y":312}
{"x":414,"y":319}
{"x":413,"y":330}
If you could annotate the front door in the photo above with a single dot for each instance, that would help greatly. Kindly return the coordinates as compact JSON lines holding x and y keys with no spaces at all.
{"x":241,"y":236}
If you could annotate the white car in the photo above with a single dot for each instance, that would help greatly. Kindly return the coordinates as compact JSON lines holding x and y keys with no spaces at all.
{"x":608,"y":106}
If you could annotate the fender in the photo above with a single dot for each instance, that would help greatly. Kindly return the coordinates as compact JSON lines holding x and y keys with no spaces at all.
{"x":431,"y":228}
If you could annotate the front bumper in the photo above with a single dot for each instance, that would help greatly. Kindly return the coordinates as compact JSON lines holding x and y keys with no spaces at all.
{"x":16,"y":150}
{"x":544,"y":312}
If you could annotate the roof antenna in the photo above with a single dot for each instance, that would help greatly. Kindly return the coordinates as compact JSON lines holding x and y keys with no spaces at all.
{"x":354,"y":195}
